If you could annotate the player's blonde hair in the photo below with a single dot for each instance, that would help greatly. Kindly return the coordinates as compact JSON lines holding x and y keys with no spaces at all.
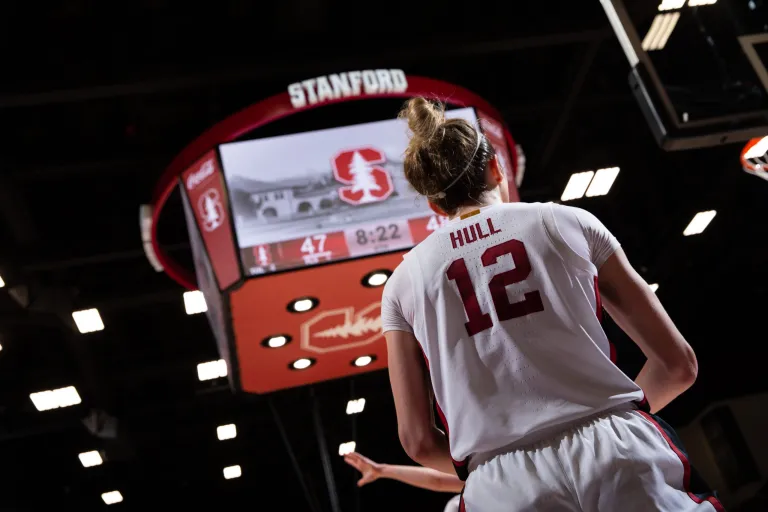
{"x":446,"y":159}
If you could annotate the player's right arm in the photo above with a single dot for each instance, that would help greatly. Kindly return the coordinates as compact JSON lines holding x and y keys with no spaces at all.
{"x":671,"y":367}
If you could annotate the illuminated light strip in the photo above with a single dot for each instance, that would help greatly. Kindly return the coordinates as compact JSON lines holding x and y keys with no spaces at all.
{"x":696,"y":3}
{"x":653,"y":32}
{"x":660,"y":31}
{"x":55,"y":398}
{"x":347,"y":448}
{"x":699,"y":223}
{"x":356,"y":406}
{"x":602,"y":182}
{"x":668,"y":5}
{"x":577,"y":185}
{"x":668,"y":28}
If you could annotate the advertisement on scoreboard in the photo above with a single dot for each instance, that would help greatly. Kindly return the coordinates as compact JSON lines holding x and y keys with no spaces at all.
{"x":206,"y":283}
{"x":326,"y":195}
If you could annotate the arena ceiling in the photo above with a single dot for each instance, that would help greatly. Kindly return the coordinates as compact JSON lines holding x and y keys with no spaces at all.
{"x":96,"y":100}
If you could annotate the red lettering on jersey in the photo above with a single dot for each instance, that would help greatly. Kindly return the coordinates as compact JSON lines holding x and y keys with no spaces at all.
{"x":532,"y":300}
{"x":480,"y":234}
{"x":472,"y":234}
{"x":478,"y":321}
{"x":457,"y":238}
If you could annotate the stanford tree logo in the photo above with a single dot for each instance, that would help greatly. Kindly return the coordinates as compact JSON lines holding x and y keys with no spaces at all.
{"x":359,"y":169}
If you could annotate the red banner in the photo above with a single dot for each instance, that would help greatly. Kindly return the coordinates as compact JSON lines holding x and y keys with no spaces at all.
{"x":208,"y":199}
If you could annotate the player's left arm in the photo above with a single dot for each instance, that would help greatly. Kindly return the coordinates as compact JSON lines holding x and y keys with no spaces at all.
{"x":412,"y":390}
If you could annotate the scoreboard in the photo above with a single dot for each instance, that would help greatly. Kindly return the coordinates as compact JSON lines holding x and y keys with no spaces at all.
{"x":353,"y":242}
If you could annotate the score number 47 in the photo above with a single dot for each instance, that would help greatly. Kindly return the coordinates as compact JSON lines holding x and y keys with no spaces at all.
{"x":309,"y":247}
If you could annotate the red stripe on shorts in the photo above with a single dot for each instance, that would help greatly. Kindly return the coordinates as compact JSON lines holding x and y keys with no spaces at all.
{"x":686,"y":466}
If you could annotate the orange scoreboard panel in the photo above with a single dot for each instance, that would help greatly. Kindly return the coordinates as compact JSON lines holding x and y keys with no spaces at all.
{"x":345,"y":325}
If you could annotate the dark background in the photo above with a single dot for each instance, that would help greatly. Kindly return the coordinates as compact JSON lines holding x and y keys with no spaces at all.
{"x":97,"y":98}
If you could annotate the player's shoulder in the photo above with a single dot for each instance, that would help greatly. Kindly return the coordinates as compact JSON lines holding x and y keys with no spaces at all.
{"x":398,"y":281}
{"x":521,"y":207}
{"x":533,"y":211}
{"x":572,"y":215}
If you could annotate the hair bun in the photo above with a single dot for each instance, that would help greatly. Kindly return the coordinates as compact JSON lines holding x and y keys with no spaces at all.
{"x":424,"y":117}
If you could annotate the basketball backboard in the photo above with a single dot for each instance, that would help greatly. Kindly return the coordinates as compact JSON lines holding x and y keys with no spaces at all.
{"x":698,"y":67}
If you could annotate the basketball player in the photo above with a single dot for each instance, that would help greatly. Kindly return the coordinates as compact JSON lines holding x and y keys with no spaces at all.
{"x":497,"y":315}
{"x":424,"y":478}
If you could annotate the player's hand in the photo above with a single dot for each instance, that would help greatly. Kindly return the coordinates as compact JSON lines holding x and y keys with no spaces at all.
{"x":371,"y":470}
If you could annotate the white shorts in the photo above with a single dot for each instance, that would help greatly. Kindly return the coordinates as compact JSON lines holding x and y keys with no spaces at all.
{"x":627,"y":461}
{"x":453,"y":505}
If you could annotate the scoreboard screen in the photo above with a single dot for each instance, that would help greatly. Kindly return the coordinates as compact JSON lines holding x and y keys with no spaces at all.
{"x":698,"y":66}
{"x":326,"y":195}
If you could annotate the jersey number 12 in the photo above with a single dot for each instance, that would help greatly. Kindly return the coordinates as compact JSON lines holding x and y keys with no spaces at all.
{"x":479,"y":321}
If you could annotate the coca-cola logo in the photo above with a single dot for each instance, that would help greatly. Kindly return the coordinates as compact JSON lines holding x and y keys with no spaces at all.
{"x":196,"y":178}
{"x":492,"y":128}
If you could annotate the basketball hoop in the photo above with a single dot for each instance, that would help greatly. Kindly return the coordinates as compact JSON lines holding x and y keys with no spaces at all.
{"x":754,"y":157}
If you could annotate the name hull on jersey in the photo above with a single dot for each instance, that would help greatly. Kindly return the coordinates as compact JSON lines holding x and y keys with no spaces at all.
{"x":472,"y":234}
{"x":347,"y":85}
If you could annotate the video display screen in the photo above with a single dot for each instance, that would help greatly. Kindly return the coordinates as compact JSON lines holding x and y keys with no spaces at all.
{"x":325,"y":195}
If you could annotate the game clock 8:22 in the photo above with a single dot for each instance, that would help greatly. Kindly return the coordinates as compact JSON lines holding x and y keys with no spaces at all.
{"x":379,"y":234}
{"x":380,"y":237}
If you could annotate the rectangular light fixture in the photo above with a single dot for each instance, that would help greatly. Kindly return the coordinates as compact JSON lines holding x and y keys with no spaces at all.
{"x":2,"y":283}
{"x":88,"y":320}
{"x":90,"y":459}
{"x":699,"y":223}
{"x":212,"y":370}
{"x":112,"y":497}
{"x":660,"y":31}
{"x":225,"y":432}
{"x":668,"y":5}
{"x":654,"y":287}
{"x":697,"y":3}
{"x":232,"y":472}
{"x":577,"y":186}
{"x":55,"y":398}
{"x":347,"y":448}
{"x":356,"y":406}
{"x":602,"y":182}
{"x":194,"y":302}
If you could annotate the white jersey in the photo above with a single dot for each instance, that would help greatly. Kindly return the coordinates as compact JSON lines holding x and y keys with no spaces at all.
{"x":505,"y":306}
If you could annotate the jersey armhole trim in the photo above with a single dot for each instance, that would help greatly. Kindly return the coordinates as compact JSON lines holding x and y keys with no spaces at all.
{"x":558,"y":242}
{"x":413,"y":266}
